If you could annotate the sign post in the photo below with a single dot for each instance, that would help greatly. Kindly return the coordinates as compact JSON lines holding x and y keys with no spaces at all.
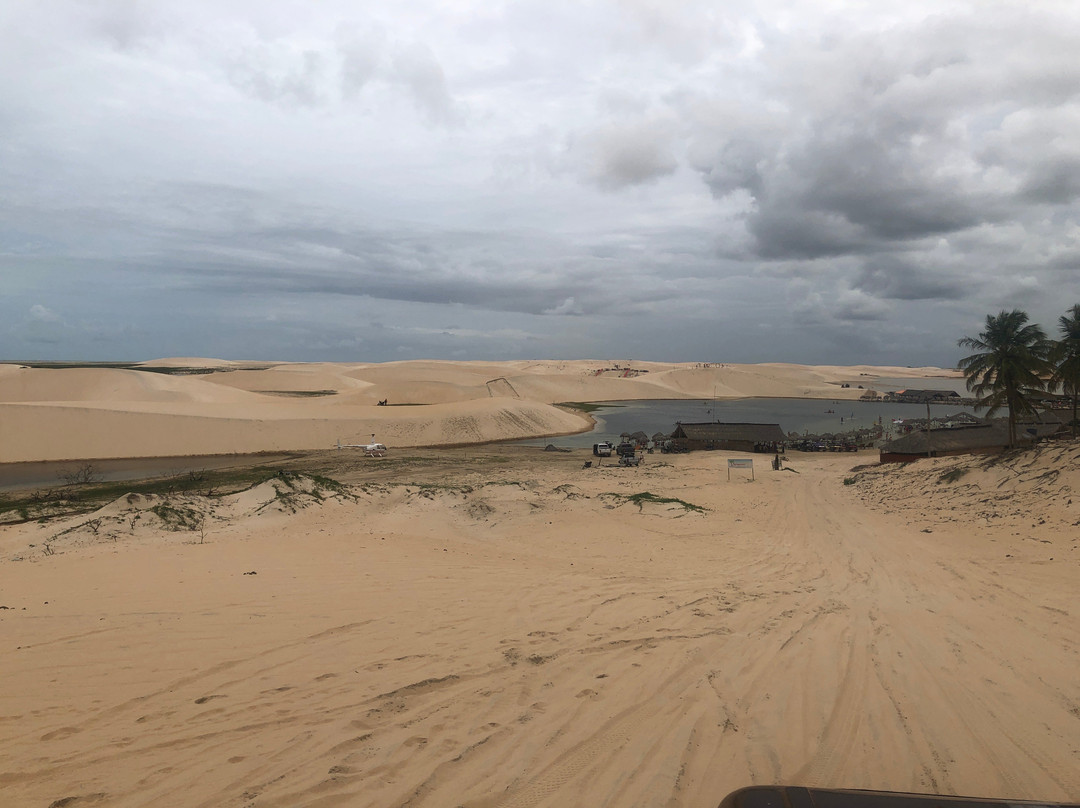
{"x":740,"y":463}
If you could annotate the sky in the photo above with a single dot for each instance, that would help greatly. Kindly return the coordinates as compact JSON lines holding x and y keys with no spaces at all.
{"x":835,"y":182}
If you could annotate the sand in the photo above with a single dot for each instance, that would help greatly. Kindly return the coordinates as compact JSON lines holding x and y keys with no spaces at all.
{"x":217,"y":407}
{"x":506,"y":628}
{"x":500,"y":626}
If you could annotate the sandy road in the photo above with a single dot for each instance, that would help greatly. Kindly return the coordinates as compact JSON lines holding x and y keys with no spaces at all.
{"x":534,"y":642}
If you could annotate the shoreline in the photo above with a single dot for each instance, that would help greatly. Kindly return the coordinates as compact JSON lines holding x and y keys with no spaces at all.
{"x":94,"y":413}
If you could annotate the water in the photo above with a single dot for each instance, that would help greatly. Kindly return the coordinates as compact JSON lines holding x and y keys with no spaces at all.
{"x":792,"y":414}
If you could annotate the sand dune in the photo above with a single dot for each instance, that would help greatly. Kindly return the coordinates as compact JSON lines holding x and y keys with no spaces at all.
{"x":510,"y":629}
{"x":112,"y":387}
{"x":64,"y":431}
{"x":238,"y":407}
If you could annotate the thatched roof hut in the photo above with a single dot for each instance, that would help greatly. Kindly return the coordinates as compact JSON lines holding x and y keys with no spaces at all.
{"x":734,"y":437}
{"x":989,"y":437}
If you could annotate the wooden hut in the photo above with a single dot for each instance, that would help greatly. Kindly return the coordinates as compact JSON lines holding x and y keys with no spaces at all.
{"x":912,"y":396}
{"x":987,"y":438}
{"x":733,"y":437}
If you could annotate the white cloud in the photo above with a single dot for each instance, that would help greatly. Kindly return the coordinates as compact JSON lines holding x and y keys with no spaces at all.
{"x":568,"y":306}
{"x":40,"y":314}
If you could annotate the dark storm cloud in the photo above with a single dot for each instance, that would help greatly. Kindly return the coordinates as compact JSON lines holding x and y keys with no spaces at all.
{"x":894,"y":278}
{"x":883,"y":139}
{"x":1054,"y":182}
{"x":498,"y":273}
{"x":844,"y":188}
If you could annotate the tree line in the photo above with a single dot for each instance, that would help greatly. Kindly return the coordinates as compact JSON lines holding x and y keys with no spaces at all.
{"x":1015,"y":364}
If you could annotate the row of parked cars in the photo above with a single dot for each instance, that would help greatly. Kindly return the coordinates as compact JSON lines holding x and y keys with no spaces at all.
{"x":626,"y":452}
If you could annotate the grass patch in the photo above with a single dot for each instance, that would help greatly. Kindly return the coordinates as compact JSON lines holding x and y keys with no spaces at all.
{"x":952,"y":475}
{"x":584,"y":406}
{"x":298,"y":393}
{"x":167,"y":370}
{"x":435,"y":487}
{"x":641,"y":498}
{"x":330,"y":484}
{"x":72,"y":500}
{"x":175,"y":518}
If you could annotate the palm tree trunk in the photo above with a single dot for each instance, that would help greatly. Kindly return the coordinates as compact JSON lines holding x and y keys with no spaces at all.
{"x":1012,"y":420}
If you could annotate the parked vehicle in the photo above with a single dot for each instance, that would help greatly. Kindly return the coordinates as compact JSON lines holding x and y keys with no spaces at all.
{"x":627,"y":452}
{"x":602,"y":449}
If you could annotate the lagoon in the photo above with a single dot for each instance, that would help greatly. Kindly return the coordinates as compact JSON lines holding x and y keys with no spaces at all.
{"x":792,"y":414}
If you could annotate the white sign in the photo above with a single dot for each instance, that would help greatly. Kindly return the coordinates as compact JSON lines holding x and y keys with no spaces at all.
{"x":740,"y":463}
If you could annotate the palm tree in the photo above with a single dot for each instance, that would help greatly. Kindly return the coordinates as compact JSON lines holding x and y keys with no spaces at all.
{"x":1066,"y":356}
{"x":1011,"y":365}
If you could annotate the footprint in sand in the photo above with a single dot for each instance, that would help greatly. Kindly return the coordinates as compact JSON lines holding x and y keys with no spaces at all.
{"x":78,"y":799}
{"x":57,"y":734}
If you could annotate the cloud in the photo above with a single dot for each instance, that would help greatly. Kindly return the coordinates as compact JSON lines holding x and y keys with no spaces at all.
{"x":617,"y":156}
{"x":278,"y":73}
{"x":568,"y":306}
{"x":891,"y":277}
{"x":853,"y":305}
{"x":820,"y":168}
{"x":41,"y":326}
{"x":362,"y":53}
{"x":887,"y":138}
{"x":40,"y":314}
{"x":415,"y":67}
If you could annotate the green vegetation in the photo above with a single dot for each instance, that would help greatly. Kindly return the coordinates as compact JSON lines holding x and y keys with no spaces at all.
{"x":433,"y":487}
{"x":641,"y":498}
{"x":952,"y":475}
{"x":1016,"y":364}
{"x":323,"y":483}
{"x":1066,"y":357}
{"x":295,"y":490}
{"x":25,"y":506}
{"x":178,"y":518}
{"x":1011,"y":365}
{"x":168,"y":371}
{"x":584,"y":406}
{"x":298,"y":393}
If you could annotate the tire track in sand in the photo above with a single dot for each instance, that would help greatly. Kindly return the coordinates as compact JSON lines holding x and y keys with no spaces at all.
{"x":842,"y":727}
{"x":612,"y":736}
